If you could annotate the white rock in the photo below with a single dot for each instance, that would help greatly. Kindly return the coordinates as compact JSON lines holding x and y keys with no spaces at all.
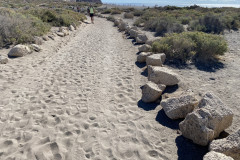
{"x":60,"y":34}
{"x":179,"y":107}
{"x":45,"y":38}
{"x":141,"y":58}
{"x":36,"y":47}
{"x":152,"y":92}
{"x":229,"y":146}
{"x":145,"y":48}
{"x":61,"y":29}
{"x":3,"y":60}
{"x":71,"y":28}
{"x":156,"y":59}
{"x":206,"y":123}
{"x":161,"y":75}
{"x":19,"y":51}
{"x":51,"y":37}
{"x":141,"y":38}
{"x":216,"y":156}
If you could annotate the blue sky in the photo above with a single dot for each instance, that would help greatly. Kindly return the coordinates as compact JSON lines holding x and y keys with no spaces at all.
{"x":172,"y":2}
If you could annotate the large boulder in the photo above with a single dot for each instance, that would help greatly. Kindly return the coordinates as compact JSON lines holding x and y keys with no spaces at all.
{"x":19,"y":51}
{"x":162,"y":75}
{"x":206,"y":123}
{"x":152,"y":92}
{"x":156,"y":59}
{"x":141,"y":58}
{"x":229,"y":146}
{"x":145,"y":48}
{"x":3,"y":60}
{"x":216,"y":156}
{"x":179,"y":107}
{"x":141,"y":38}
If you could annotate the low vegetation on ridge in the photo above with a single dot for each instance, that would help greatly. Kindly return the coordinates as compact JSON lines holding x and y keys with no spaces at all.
{"x":21,"y":23}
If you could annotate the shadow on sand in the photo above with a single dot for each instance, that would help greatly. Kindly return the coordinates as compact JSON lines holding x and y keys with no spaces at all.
{"x":212,"y":67}
{"x":163,"y":119}
{"x":147,"y":106}
{"x":187,"y":150}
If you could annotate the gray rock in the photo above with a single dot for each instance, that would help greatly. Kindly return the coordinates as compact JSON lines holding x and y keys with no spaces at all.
{"x":206,"y":123}
{"x":38,"y":40}
{"x":179,"y":107}
{"x":45,"y":38}
{"x":51,"y":37}
{"x":122,"y":26}
{"x":156,"y":59}
{"x":36,"y":47}
{"x":3,"y":60}
{"x":141,"y":38}
{"x":216,"y":156}
{"x":75,"y":26}
{"x":229,"y":146}
{"x":152,"y":92}
{"x":19,"y":51}
{"x":117,"y":22}
{"x":145,"y":48}
{"x":141,"y":58}
{"x":133,"y":33}
{"x":61,"y":29}
{"x":60,"y":34}
{"x":71,"y":28}
{"x":162,"y":75}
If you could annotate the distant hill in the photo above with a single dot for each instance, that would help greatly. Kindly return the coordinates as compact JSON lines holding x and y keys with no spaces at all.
{"x":94,"y":1}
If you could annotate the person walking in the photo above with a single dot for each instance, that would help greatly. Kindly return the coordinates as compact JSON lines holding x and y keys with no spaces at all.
{"x":91,"y":13}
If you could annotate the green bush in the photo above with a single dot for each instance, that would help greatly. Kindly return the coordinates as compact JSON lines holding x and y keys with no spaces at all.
{"x":111,"y":18}
{"x":56,"y":17}
{"x":128,"y":15}
{"x":163,"y":25}
{"x":107,"y":11}
{"x":138,"y":13}
{"x":191,"y":46}
{"x":18,"y":28}
{"x":116,"y":11}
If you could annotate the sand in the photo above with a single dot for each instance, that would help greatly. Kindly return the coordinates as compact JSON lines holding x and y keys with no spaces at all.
{"x":79,"y":99}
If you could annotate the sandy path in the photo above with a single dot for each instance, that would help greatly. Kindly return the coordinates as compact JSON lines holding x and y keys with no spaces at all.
{"x":81,"y":102}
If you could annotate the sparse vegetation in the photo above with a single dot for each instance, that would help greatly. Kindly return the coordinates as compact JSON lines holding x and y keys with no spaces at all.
{"x":191,"y":46}
{"x":21,"y":20}
{"x":128,"y":15}
{"x":209,"y":20}
{"x":111,"y":18}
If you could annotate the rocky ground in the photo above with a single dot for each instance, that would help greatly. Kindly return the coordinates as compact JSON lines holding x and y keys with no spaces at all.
{"x":79,"y":98}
